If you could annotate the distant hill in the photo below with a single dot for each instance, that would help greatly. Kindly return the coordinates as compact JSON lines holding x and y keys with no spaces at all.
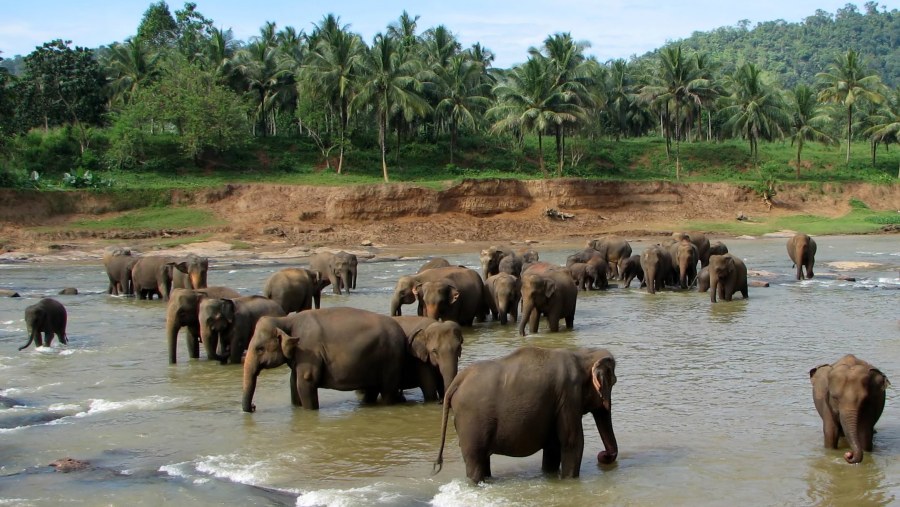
{"x":794,"y":52}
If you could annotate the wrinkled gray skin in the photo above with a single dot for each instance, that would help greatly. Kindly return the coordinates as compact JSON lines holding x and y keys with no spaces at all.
{"x":47,"y":316}
{"x":614,"y":250}
{"x":631,"y":269}
{"x":802,"y":251}
{"x":347,"y":265}
{"x":460,"y":296}
{"x":703,"y":280}
{"x":551,"y":293}
{"x":226,"y":325}
{"x":183,"y":311}
{"x":190,"y":273}
{"x":490,"y":260}
{"x":295,"y":289}
{"x":600,"y":269}
{"x":717,"y":248}
{"x":437,"y":262}
{"x":699,"y":240}
{"x":849,"y":396}
{"x":727,"y":275}
{"x":511,"y":265}
{"x":432,"y":355}
{"x":505,"y":292}
{"x":118,"y":263}
{"x":336,"y":268}
{"x":457,"y":276}
{"x":531,"y":400}
{"x":153,"y":275}
{"x":346,"y":349}
{"x":657,"y":265}
{"x":585,"y":275}
{"x":684,"y":262}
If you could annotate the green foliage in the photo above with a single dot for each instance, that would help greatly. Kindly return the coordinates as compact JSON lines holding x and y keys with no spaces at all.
{"x":150,"y":219}
{"x":157,"y":27}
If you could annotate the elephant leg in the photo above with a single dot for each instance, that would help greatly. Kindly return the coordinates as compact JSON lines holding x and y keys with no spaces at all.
{"x":193,"y":342}
{"x":428,"y":382}
{"x":478,"y":465}
{"x":295,"y":394}
{"x":553,"y":321}
{"x":309,"y":394}
{"x":533,"y":320}
{"x":570,"y":456}
{"x":551,"y":459}
{"x":336,"y":283}
{"x":62,"y":337}
{"x":370,"y":396}
{"x":830,"y":430}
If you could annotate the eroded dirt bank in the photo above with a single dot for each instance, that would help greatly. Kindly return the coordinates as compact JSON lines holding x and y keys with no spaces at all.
{"x":471,"y":211}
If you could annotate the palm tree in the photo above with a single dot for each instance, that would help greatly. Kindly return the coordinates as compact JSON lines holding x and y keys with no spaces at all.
{"x":404,"y":30}
{"x":332,"y":71}
{"x":130,"y":65}
{"x":847,"y":81}
{"x":463,"y":95}
{"x":266,"y":81}
{"x":886,"y":127}
{"x":388,"y":84}
{"x":806,"y":116}
{"x":439,"y":45}
{"x":756,"y":109}
{"x":219,"y":54}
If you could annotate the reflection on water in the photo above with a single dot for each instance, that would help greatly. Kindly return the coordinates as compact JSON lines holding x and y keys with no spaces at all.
{"x":713,"y":403}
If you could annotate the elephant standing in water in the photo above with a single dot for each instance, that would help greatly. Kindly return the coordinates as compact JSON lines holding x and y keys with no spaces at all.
{"x":183,"y":311}
{"x":530,"y":400}
{"x":47,"y":316}
{"x":802,"y":251}
{"x":849,"y":396}
{"x":190,"y":273}
{"x":295,"y":289}
{"x":433,"y":352}
{"x":699,"y":240}
{"x":656,"y":263}
{"x":551,"y":293}
{"x":684,"y":262}
{"x":345,"y":349}
{"x":631,"y":269}
{"x":452,"y":293}
{"x":614,"y":250}
{"x":338,"y":268}
{"x":118,"y":263}
{"x":505,"y":291}
{"x":727,"y":275}
{"x":227,"y":324}
{"x":437,"y":262}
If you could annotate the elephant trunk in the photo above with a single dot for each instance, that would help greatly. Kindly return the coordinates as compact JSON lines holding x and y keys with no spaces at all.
{"x":603,"y":419}
{"x":849,"y":424}
{"x":395,"y":305}
{"x":346,"y":278}
{"x":650,"y":277}
{"x":251,"y":372}
{"x":433,"y":310}
{"x":448,"y":369}
{"x":171,"y":337}
{"x":198,"y":280}
{"x":527,"y":308}
{"x":502,"y":309}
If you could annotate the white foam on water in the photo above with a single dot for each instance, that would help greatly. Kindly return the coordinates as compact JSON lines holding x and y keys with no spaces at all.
{"x":148,"y":403}
{"x":63,"y":407}
{"x":12,"y":391}
{"x":366,"y":495}
{"x":235,"y":468}
{"x":175,"y":470}
{"x":15,"y":501}
{"x":459,"y":492}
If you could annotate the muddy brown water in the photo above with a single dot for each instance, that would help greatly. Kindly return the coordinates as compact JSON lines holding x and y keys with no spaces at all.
{"x":713,"y":403}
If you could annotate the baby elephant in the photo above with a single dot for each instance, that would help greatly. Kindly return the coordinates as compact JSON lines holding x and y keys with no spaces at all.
{"x":849,"y":396}
{"x":47,"y":316}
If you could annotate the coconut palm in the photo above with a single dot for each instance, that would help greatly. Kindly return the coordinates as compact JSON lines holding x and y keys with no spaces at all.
{"x":886,"y":125}
{"x":847,"y":81}
{"x":388,"y":84}
{"x":806,"y":116}
{"x":266,"y":81}
{"x":462,"y":93}
{"x":218,"y":55}
{"x":756,"y":110}
{"x":404,"y":31}
{"x":129,"y":66}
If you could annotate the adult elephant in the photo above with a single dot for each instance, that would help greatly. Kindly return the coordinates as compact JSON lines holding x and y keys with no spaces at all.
{"x":614,"y":250}
{"x":118,"y":263}
{"x":334,"y":267}
{"x":552,"y":293}
{"x":183,"y":311}
{"x":802,"y":251}
{"x":699,"y":240}
{"x":505,"y":292}
{"x":656,"y":262}
{"x":849,"y":396}
{"x":437,"y":262}
{"x":684,"y":262}
{"x":154,"y":275}
{"x":227,"y":324}
{"x":631,"y":269}
{"x":531,"y":400}
{"x":432,"y":355}
{"x":470,"y":304}
{"x":48,"y":317}
{"x":345,"y":349}
{"x":490,"y":260}
{"x":727,"y":275}
{"x":190,"y":272}
{"x":294,"y":289}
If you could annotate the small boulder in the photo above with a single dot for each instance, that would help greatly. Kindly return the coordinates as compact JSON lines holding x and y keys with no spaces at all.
{"x":66,"y":465}
{"x":68,"y":291}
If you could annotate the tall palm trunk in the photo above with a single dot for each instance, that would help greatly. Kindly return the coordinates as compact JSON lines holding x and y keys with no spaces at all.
{"x":382,"y":133}
{"x":849,"y":131}
{"x":559,"y":152}
{"x":541,"y":153}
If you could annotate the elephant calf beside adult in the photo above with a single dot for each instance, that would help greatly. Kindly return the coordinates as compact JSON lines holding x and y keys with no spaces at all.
{"x":339,"y":269}
{"x":183,"y":310}
{"x":227,"y":324}
{"x":48,"y":317}
{"x":118,"y":263}
{"x":505,"y":292}
{"x":727,"y":276}
{"x":531,"y":400}
{"x":453,"y":293}
{"x":155,"y":274}
{"x":295,"y":289}
{"x":433,"y":352}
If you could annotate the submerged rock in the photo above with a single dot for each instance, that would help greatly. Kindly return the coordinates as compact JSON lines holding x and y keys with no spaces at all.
{"x":66,"y":465}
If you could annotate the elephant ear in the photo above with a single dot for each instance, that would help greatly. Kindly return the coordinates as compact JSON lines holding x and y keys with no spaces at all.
{"x":418,"y":346}
{"x":228,"y":310}
{"x":549,"y":288}
{"x":880,"y":378}
{"x":288,"y":343}
{"x":179,"y":265}
{"x":454,"y":294}
{"x":813,"y":371}
{"x":416,"y":290}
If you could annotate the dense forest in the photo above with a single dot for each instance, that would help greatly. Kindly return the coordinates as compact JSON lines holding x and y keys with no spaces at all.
{"x":181,"y":93}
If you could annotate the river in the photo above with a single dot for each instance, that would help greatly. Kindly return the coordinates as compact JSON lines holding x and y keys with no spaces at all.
{"x":713,"y":403}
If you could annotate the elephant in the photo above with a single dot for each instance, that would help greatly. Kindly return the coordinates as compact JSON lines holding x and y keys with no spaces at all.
{"x":703,"y":279}
{"x":802,"y":251}
{"x":614,"y":250}
{"x":727,"y":275}
{"x":154,"y":275}
{"x":471,"y":288}
{"x":601,"y":269}
{"x":437,"y":262}
{"x":183,"y":311}
{"x":528,"y":255}
{"x":345,"y":349}
{"x":68,"y":291}
{"x":586,"y":275}
{"x":505,"y":292}
{"x":347,"y":264}
{"x":490,"y":260}
{"x":118,"y":263}
{"x":460,"y":297}
{"x":47,"y":316}
{"x":530,"y":400}
{"x":684,"y":262}
{"x":700,"y":241}
{"x":849,"y":396}
{"x":717,"y":248}
{"x":226,"y":324}
{"x":336,"y":268}
{"x":656,"y":262}
{"x":510,"y":264}
{"x":552,"y":293}
{"x":295,"y":289}
{"x":191,"y":274}
{"x":630,"y":269}
{"x":433,"y":352}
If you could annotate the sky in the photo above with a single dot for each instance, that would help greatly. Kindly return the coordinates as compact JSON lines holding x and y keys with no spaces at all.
{"x":614,"y":28}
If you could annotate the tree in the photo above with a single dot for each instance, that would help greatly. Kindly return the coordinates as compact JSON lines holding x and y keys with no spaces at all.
{"x":129,"y":66}
{"x":806,"y":116}
{"x":756,"y":110}
{"x":266,"y":82}
{"x":886,"y":125}
{"x":7,"y":104}
{"x":846,"y":82}
{"x":463,"y":95}
{"x":158,"y":28}
{"x":194,"y":29}
{"x":388,"y":84}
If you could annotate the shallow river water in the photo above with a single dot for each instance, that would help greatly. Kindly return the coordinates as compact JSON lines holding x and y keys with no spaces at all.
{"x":713,"y":403}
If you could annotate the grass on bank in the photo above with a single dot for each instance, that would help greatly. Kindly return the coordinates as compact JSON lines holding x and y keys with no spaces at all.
{"x":145,"y":219}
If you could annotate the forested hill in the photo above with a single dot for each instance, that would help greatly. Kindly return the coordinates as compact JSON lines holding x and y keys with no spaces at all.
{"x":794,"y":52}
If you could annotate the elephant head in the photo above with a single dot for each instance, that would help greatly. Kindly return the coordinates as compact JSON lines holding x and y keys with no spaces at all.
{"x":439,"y":345}
{"x":686,"y":257}
{"x":266,"y":350}
{"x":438,"y":298}
{"x":657,"y":265}
{"x":600,"y":367}
{"x":507,"y":292}
{"x":195,"y":268}
{"x":341,"y":266}
{"x":490,"y":260}
{"x":537,"y":292}
{"x":403,"y":293}
{"x":216,"y":321}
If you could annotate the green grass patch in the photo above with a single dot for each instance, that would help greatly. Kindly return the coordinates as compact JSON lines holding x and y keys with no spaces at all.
{"x":146,"y":219}
{"x":857,"y":221}
{"x":184,"y":240}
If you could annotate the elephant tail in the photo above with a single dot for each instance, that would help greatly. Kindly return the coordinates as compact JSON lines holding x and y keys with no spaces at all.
{"x":439,"y":462}
{"x":31,"y":339}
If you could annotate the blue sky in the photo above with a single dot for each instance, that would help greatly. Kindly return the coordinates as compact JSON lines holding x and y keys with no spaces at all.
{"x":615,"y":28}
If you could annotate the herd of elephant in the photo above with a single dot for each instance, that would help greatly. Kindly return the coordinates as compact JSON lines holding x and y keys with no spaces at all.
{"x":517,"y":405}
